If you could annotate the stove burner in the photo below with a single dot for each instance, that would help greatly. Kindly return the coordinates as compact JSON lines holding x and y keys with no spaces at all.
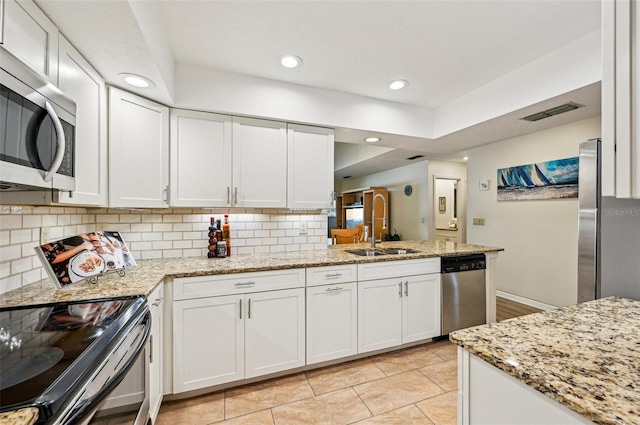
{"x":22,"y":365}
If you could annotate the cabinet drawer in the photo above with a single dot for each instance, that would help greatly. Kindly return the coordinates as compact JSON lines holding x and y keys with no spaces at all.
{"x":331,"y":274}
{"x":384,"y":269}
{"x":236,"y":283}
{"x":157,"y":296}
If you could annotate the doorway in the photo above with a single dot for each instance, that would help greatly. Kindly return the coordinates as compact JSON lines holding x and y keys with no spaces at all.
{"x":448,"y":209}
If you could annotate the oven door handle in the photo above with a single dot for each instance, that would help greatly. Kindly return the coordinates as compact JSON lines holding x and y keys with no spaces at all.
{"x":87,"y":407}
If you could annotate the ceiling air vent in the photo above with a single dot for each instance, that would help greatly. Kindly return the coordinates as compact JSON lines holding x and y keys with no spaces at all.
{"x":411,"y":158}
{"x":570,"y":106}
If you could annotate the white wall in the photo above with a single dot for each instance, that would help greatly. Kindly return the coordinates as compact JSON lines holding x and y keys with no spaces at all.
{"x":407,"y":214}
{"x":540,"y":238}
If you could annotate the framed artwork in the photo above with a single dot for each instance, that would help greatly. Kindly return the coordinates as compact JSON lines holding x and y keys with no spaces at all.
{"x":442,"y":203}
{"x":557,"y":179}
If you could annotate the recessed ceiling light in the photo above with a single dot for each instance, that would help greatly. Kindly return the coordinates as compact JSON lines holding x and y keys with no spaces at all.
{"x":372,"y":139}
{"x":137,"y":80}
{"x":398,"y":84}
{"x":465,"y":158}
{"x":290,"y":61}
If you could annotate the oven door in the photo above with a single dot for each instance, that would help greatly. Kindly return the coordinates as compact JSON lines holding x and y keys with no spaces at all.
{"x":129,"y":402}
{"x":110,"y":373}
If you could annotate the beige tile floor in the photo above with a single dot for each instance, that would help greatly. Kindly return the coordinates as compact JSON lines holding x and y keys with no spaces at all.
{"x":414,"y":386}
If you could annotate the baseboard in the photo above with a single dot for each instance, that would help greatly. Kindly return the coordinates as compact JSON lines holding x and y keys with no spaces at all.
{"x":525,"y":301}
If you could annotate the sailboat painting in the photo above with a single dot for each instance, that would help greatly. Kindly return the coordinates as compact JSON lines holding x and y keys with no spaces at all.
{"x":557,"y":179}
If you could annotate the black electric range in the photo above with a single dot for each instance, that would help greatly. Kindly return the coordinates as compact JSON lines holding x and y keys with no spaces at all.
{"x":64,"y":358}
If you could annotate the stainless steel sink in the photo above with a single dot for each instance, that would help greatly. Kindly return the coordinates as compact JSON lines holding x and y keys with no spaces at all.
{"x":366,"y":252}
{"x":380,"y":251}
{"x":396,"y":251}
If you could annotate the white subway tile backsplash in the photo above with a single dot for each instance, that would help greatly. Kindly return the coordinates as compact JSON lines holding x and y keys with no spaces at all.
{"x":20,"y":236}
{"x":151,"y":218}
{"x":162,"y":227}
{"x":8,"y":222}
{"x":162,"y":233}
{"x":141,"y":227}
{"x":130,"y":218}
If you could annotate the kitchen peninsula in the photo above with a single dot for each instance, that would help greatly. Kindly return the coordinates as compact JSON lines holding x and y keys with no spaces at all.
{"x":266,"y":315}
{"x":574,"y":365}
{"x":142,"y":280}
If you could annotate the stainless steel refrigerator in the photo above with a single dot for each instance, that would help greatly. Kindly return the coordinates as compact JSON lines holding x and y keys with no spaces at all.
{"x":609,"y":235}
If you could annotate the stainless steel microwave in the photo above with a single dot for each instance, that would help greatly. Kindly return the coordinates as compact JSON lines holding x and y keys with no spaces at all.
{"x":37,"y":130}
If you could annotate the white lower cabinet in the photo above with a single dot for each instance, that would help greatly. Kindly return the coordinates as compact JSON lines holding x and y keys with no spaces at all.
{"x":242,"y":335}
{"x":156,"y":359}
{"x":332,"y":321}
{"x":481,"y":384}
{"x":398,"y":310}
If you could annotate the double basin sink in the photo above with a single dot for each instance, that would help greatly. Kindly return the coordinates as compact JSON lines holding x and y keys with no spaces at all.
{"x":375,"y":252}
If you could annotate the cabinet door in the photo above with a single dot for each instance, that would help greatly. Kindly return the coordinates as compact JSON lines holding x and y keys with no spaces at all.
{"x":78,"y":80}
{"x":208,"y":342}
{"x":420,"y":307}
{"x":32,"y":37}
{"x":275,"y":331}
{"x":310,"y":164}
{"x":200,"y":159}
{"x":156,"y":344}
{"x":379,"y":314}
{"x":138,"y":151}
{"x":259,"y":163}
{"x":332,"y":322}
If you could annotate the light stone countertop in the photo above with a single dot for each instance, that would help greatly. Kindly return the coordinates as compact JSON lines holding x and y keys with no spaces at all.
{"x":144,"y":278}
{"x":585,"y":356}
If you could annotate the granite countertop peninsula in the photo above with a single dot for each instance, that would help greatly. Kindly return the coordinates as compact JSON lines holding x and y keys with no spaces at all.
{"x":585,"y":356}
{"x":144,"y":278}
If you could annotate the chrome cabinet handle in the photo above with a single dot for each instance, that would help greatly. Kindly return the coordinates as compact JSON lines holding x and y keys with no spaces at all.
{"x":249,"y":283}
{"x":400,"y":289}
{"x":228,"y":194}
{"x":332,"y":275}
{"x":240,"y":308}
{"x":158,"y":301}
{"x":235,"y":195}
{"x":60,"y":143}
{"x":337,"y":288}
{"x":166,"y":194}
{"x":249,"y":309}
{"x":406,"y":288}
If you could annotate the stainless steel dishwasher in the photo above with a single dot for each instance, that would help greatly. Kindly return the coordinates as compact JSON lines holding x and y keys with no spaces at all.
{"x":463,"y":292}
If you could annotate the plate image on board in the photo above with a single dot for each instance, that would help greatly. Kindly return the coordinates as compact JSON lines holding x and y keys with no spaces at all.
{"x":87,"y":264}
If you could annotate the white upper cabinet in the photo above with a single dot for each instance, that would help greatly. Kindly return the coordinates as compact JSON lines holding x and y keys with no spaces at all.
{"x":223,"y":161}
{"x":200,"y":159}
{"x":31,"y":36}
{"x":259,"y":164}
{"x":79,"y":81}
{"x":138,"y":151}
{"x":310,"y":167}
{"x":620,"y":107}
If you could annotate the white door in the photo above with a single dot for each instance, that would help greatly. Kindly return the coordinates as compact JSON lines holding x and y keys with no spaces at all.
{"x":200,"y":159}
{"x":208,"y":342}
{"x":274,"y":331}
{"x":78,"y":80}
{"x":420,"y":307}
{"x":379,"y":314}
{"x":259,"y":163}
{"x":138,"y":151}
{"x":31,"y":36}
{"x":332,"y":322}
{"x":310,"y":163}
